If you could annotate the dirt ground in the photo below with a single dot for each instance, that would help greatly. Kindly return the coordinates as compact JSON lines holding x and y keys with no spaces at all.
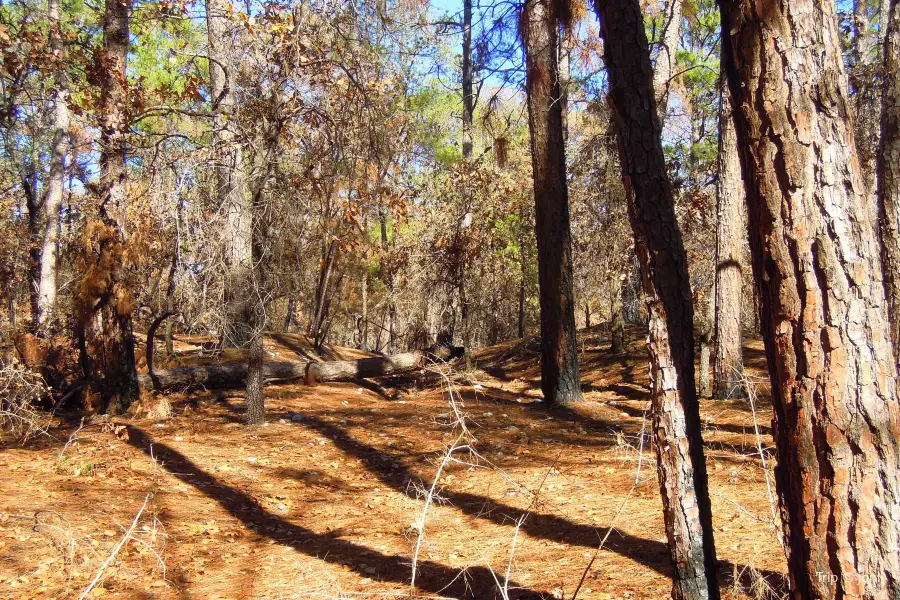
{"x":326,"y":499}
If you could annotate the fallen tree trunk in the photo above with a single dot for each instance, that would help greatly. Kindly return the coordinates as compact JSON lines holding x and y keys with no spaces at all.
{"x":235,"y":374}
{"x":378,"y":366}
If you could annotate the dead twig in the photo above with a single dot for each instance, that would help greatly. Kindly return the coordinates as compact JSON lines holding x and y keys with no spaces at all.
{"x":116,"y":549}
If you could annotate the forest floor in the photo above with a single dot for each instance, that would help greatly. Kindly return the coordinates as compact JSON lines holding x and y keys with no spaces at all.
{"x":324,"y":501}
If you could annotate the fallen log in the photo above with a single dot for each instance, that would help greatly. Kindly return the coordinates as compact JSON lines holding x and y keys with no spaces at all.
{"x":235,"y":374}
{"x":378,"y":366}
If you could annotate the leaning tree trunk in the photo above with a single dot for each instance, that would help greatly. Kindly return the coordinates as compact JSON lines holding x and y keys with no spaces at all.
{"x":231,"y":177}
{"x":676,"y":413}
{"x":103,"y":287}
{"x":816,"y":266}
{"x":55,"y":176}
{"x":730,"y":234}
{"x":889,"y":173}
{"x":560,"y":378}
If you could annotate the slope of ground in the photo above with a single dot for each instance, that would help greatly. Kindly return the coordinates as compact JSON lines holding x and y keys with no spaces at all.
{"x":326,"y":499}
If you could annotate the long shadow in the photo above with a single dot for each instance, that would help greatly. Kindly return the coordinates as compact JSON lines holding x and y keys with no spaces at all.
{"x":649,"y":553}
{"x":434,"y":578}
{"x":384,"y":465}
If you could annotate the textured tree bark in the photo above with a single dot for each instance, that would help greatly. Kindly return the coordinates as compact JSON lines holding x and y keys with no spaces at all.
{"x":888,"y":169}
{"x":231,"y":176}
{"x":816,"y":266}
{"x":681,"y":464}
{"x":730,"y":235}
{"x":113,"y":344}
{"x":55,"y":176}
{"x":665,"y":58}
{"x":560,"y":378}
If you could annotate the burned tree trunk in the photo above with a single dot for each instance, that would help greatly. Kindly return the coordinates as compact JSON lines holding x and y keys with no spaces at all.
{"x":676,"y":414}
{"x":560,"y":378}
{"x":816,"y":266}
{"x":730,"y":234}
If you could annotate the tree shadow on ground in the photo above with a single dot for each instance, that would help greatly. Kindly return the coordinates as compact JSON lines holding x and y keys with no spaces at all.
{"x":655,"y":555}
{"x":433,"y":578}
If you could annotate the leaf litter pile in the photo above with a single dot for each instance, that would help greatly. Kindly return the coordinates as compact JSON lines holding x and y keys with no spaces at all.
{"x":328,"y":499}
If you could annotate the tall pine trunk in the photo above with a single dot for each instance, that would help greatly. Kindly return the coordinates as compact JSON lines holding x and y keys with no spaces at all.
{"x":889,"y":172}
{"x":676,"y":414}
{"x":816,"y":266}
{"x":560,"y":378}
{"x":231,"y":176}
{"x":730,"y":234}
{"x":55,"y":176}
